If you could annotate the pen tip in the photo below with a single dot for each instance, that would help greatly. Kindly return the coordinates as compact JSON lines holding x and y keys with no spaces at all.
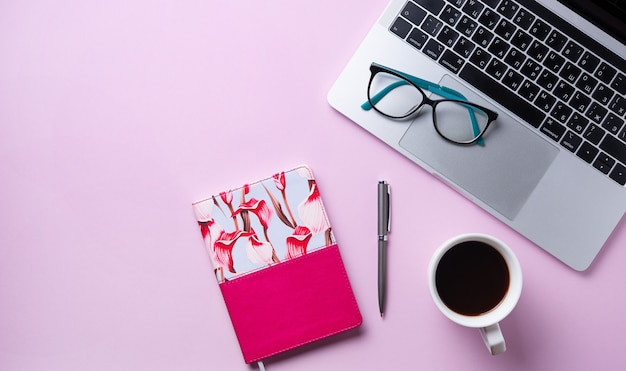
{"x":381,"y":315}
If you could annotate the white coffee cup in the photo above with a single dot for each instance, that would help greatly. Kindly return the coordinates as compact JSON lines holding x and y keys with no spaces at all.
{"x":476,"y":280}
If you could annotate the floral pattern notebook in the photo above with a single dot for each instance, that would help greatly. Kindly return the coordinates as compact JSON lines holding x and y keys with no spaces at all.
{"x":277,"y":263}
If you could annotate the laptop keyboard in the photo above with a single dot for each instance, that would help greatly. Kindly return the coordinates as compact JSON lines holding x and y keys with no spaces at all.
{"x":550,"y":74}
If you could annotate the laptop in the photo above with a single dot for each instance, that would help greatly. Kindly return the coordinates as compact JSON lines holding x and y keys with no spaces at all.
{"x":553,"y":163}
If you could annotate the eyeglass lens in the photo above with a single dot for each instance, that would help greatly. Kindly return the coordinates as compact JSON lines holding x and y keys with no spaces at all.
{"x":460,"y":122}
{"x":397,"y":98}
{"x":393,"y":96}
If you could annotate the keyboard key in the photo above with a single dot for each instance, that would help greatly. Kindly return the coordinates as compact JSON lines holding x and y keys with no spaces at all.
{"x":400,"y":27}
{"x":512,"y":79}
{"x":502,"y":95}
{"x":603,"y":94}
{"x":618,"y":105}
{"x":605,"y":73}
{"x":572,"y":51}
{"x":433,"y":6}
{"x":603,"y":157}
{"x":433,"y":49}
{"x":570,"y":72}
{"x":432,"y":25}
{"x":499,"y":47}
{"x":508,"y":8}
{"x":563,"y":91}
{"x":614,"y":147}
{"x":451,"y":61}
{"x":523,"y":19}
{"x":413,"y":13}
{"x":464,"y":47}
{"x":466,"y":26}
{"x":571,"y":141}
{"x":473,"y":8}
{"x":540,"y":29}
{"x":547,"y":80}
{"x":448,"y":36}
{"x":521,"y":40}
{"x":578,"y":123}
{"x":515,"y":58}
{"x":417,"y":38}
{"x":505,"y":29}
{"x":537,"y":51}
{"x":619,"y":174}
{"x":489,"y":19}
{"x":561,"y":112}
{"x":594,"y":134}
{"x":596,"y":112}
{"x":552,"y":129}
{"x":580,"y":101}
{"x":556,"y":40}
{"x":587,"y":152}
{"x":482,"y":37}
{"x":604,"y":163}
{"x":613,"y":124}
{"x":619,"y":84}
{"x":586,"y":83}
{"x":480,"y":58}
{"x":450,"y":15}
{"x":496,"y":69}
{"x":589,"y":62}
{"x":529,"y":90}
{"x":545,"y":101}
{"x":531,"y":69}
{"x":554,"y":61}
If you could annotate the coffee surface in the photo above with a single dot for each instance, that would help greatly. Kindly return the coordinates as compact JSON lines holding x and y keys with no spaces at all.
{"x":472,"y":278}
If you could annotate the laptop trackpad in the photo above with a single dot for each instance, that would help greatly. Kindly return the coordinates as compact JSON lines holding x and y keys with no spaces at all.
{"x":502,"y":174}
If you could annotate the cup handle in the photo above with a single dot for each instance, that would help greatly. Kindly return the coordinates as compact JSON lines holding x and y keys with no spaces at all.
{"x":492,"y":336}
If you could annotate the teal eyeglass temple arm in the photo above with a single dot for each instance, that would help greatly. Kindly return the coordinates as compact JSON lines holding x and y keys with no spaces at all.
{"x":426,"y":85}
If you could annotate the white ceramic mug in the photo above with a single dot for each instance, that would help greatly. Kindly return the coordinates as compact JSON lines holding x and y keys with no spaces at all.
{"x":468,"y":283}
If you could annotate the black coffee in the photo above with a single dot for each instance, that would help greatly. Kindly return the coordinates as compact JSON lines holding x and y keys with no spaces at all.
{"x":472,"y":278}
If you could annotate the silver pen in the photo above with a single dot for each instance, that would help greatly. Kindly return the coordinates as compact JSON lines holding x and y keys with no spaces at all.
{"x":383,"y":230}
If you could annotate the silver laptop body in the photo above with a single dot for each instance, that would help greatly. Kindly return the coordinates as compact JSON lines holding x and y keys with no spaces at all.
{"x":529,"y":175}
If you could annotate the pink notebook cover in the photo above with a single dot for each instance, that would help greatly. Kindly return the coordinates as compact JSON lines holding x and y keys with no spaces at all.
{"x":277,"y":263}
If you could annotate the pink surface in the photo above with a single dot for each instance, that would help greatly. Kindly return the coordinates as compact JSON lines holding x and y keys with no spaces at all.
{"x":116,"y":115}
{"x":291,"y":304}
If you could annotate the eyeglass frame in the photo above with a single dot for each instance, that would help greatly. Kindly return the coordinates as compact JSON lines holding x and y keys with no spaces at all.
{"x":450,"y":95}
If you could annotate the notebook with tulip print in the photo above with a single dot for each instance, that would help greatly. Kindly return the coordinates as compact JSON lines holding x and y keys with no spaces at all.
{"x":277,"y":263}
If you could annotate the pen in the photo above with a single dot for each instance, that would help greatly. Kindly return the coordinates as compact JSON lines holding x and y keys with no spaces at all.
{"x":383,"y":230}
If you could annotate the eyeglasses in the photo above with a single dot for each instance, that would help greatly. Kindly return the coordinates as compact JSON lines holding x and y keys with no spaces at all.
{"x":398,"y":95}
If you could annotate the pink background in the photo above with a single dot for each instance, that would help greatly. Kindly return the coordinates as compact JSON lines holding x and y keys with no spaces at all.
{"x":116,"y":115}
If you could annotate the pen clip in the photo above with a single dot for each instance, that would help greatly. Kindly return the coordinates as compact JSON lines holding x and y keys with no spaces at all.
{"x":384,"y":217}
{"x":388,"y":209}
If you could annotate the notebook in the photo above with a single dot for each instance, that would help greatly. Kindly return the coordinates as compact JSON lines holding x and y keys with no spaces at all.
{"x":553,"y":163}
{"x":277,"y":263}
